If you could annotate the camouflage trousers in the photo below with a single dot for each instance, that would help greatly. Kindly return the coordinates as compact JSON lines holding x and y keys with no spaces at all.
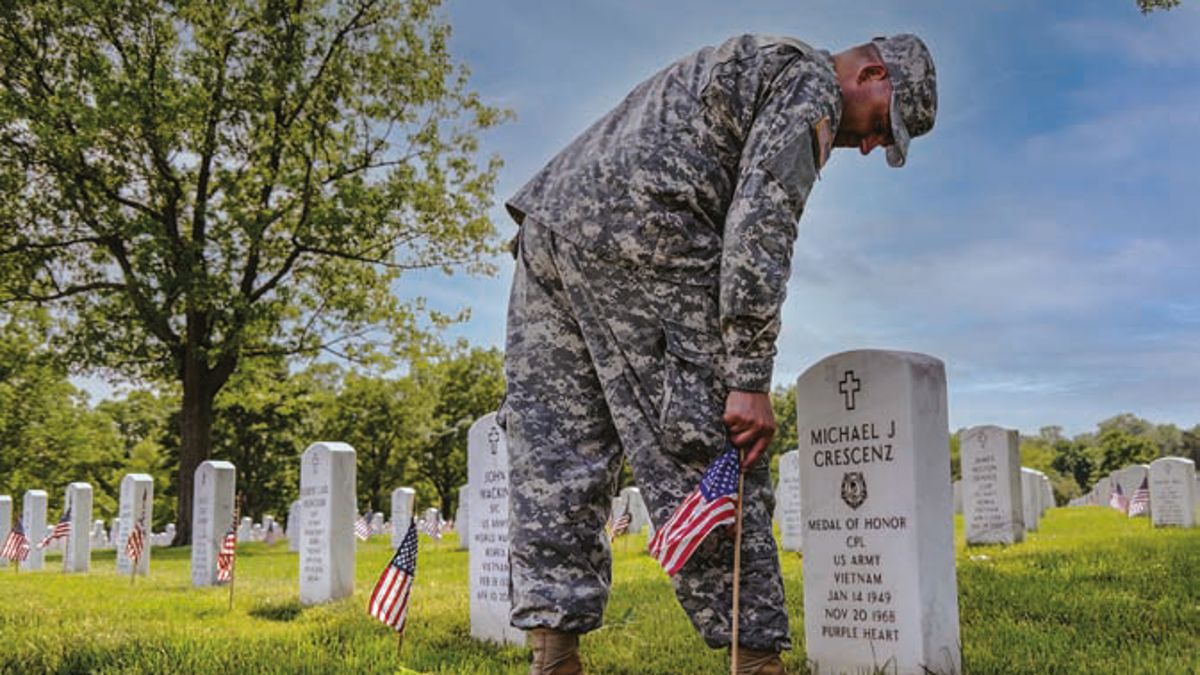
{"x":600,"y":361}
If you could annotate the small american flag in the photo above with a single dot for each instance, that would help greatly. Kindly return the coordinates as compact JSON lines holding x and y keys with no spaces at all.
{"x":60,"y":531}
{"x":713,"y":503}
{"x":1141,"y":499}
{"x":16,"y":546}
{"x":619,"y":526}
{"x":362,"y":527}
{"x":389,"y":600}
{"x":433,"y":529}
{"x":226,"y":555}
{"x":1118,"y":501}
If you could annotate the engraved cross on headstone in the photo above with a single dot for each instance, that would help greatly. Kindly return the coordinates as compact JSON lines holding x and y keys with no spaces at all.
{"x":494,"y":438}
{"x":849,"y":386}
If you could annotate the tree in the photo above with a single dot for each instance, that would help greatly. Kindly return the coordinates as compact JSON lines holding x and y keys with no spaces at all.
{"x":1148,"y":6}
{"x":783,"y":404}
{"x":195,"y":184}
{"x":265,"y":418}
{"x":1071,"y":458}
{"x":467,"y":387}
{"x":1119,"y":449}
{"x":386,"y":421}
{"x":47,"y":431}
{"x":1189,"y":445}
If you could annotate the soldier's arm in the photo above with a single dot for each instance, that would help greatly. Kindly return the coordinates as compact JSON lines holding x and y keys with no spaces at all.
{"x":777,"y":171}
{"x":776,"y":174}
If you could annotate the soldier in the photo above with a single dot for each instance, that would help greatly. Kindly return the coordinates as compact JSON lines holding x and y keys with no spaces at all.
{"x":652,"y":260}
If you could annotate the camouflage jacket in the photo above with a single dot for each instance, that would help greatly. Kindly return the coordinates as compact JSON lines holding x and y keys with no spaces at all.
{"x":700,"y":176}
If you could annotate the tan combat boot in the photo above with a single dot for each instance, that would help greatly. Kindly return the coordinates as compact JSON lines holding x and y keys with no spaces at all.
{"x":555,"y":653}
{"x":754,"y":662}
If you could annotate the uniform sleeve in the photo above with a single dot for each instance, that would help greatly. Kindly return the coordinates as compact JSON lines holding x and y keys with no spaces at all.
{"x":776,"y":174}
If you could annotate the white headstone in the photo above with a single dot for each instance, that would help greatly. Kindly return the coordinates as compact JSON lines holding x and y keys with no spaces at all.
{"x":993,"y":511}
{"x":487,"y":474}
{"x":136,"y":506}
{"x":99,"y":536}
{"x":246,"y":529}
{"x":787,"y":502}
{"x":1045,"y":495}
{"x":462,"y":518}
{"x":214,"y":488}
{"x":293,"y":527}
{"x":433,"y":521}
{"x":958,"y":496}
{"x":879,"y":575}
{"x":404,"y":500}
{"x":1173,"y":492}
{"x":639,"y":515}
{"x":1030,"y":498}
{"x":77,"y":555}
{"x":1130,"y":478}
{"x":5,"y":523}
{"x":33,"y":515}
{"x":328,"y":505}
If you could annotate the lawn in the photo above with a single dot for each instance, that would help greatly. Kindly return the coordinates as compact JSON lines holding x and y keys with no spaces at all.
{"x":1092,"y":592}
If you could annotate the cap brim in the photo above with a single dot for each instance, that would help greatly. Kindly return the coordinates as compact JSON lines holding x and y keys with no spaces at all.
{"x":897,"y":152}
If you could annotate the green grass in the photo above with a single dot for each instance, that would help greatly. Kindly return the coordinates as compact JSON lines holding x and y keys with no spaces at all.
{"x":1092,"y":592}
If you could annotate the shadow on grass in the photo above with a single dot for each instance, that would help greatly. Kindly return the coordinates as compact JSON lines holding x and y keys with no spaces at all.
{"x":287,"y":611}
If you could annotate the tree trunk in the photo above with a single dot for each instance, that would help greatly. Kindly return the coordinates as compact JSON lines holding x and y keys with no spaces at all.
{"x":195,"y":439}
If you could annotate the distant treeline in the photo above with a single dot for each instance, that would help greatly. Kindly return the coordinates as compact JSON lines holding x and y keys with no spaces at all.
{"x":409,"y":430}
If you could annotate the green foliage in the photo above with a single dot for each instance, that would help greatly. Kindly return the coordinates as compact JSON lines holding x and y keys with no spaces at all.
{"x":1148,"y":6}
{"x":47,"y":431}
{"x":1119,"y":449}
{"x":783,"y":404}
{"x":467,"y":386}
{"x":387,"y":422}
{"x":265,"y":419}
{"x":195,"y":184}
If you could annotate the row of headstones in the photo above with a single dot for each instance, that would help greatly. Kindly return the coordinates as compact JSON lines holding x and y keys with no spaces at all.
{"x":135,"y":502}
{"x":879,"y":579}
{"x":326,"y":514}
{"x":1003,"y":499}
{"x":1172,"y":484}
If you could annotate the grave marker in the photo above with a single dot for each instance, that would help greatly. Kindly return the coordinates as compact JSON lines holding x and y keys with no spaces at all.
{"x":212,"y":515}
{"x":404,"y":501}
{"x":327,"y":514}
{"x":787,"y":502}
{"x":136,"y":505}
{"x":1173,"y":492}
{"x":462,"y":518}
{"x":5,"y":523}
{"x":879,"y":575}
{"x":487,"y":474}
{"x":33,"y":515}
{"x":993,"y":510}
{"x":77,"y":554}
{"x":293,"y":527}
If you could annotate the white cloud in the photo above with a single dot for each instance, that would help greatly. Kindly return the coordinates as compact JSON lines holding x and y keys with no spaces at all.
{"x":1164,"y":38}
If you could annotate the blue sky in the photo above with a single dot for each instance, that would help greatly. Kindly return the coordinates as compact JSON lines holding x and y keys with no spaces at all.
{"x":1041,"y":241}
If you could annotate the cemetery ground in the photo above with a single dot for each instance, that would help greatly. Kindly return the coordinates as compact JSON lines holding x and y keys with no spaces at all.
{"x":1091,"y":592}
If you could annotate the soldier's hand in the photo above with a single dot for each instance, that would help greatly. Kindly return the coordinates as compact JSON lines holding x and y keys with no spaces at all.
{"x":751,"y":423}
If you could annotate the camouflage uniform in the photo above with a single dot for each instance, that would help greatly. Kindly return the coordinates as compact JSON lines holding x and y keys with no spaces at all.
{"x":652,"y":262}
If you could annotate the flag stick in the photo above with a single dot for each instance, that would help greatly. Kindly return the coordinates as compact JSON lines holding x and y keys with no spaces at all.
{"x":737,"y":569}
{"x":237,"y":510}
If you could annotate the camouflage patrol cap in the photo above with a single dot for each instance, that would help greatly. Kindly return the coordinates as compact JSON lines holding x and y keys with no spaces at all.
{"x":914,"y":91}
